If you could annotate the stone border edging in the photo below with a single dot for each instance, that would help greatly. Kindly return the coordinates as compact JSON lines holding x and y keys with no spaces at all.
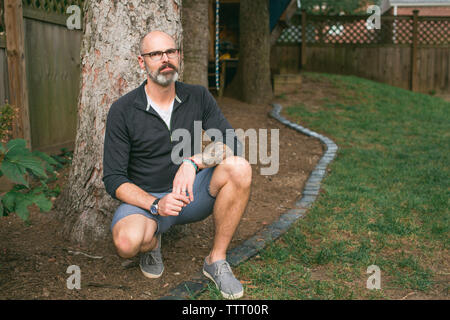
{"x":257,"y":242}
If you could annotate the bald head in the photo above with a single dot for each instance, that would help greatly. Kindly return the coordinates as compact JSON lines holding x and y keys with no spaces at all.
{"x":153,"y":39}
{"x":163,"y":64}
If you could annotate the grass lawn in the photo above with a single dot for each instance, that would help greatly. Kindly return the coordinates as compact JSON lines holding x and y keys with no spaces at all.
{"x":385,"y":201}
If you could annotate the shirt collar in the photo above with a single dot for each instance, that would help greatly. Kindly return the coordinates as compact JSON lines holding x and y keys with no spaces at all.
{"x":150,"y":103}
{"x":181,"y":95}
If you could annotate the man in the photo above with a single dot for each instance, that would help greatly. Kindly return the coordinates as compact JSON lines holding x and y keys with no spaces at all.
{"x":155,"y":192}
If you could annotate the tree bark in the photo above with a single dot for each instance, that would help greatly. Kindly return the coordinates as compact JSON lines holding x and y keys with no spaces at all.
{"x":252,"y":83}
{"x":195,"y":43}
{"x":110,"y":69}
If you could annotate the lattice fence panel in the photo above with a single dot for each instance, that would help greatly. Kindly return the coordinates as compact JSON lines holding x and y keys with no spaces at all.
{"x":434,"y":32}
{"x":291,"y":35}
{"x":354,"y":30}
{"x":54,"y":6}
{"x":402,"y":30}
{"x":331,"y":31}
{"x":50,"y":6}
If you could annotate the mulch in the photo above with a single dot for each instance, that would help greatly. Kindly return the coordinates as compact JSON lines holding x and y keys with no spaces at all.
{"x":34,"y":258}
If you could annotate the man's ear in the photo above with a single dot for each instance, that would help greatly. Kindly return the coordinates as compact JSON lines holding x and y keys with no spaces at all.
{"x":141,"y":62}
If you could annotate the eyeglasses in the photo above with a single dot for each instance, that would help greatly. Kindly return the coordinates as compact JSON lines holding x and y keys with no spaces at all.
{"x":157,"y":55}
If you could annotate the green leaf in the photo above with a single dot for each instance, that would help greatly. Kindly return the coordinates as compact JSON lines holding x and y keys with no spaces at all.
{"x":61,"y":160}
{"x":37,"y":190}
{"x":16,"y":147}
{"x":9,"y":200}
{"x":44,"y":184}
{"x":17,"y":202}
{"x":2,"y":148}
{"x":1,"y":207}
{"x":18,"y":187}
{"x":45,"y":157}
{"x":42,"y":202}
{"x":22,"y":203}
{"x":48,"y":162}
{"x":13,"y":172}
{"x":16,"y":143}
{"x":31,"y":163}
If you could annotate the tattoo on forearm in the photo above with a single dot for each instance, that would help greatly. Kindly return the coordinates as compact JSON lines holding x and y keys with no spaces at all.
{"x":214,"y":154}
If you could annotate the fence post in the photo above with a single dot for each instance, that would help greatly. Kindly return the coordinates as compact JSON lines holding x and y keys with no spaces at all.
{"x":414,"y":51}
{"x":15,"y":51}
{"x":303,"y":50}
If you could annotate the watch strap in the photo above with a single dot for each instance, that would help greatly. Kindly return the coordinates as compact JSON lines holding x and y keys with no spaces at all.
{"x":155,"y":203}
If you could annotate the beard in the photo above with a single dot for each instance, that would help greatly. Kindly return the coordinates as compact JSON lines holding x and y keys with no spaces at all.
{"x":163,"y":79}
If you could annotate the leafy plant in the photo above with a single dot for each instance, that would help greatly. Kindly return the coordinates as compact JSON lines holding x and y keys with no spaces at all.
{"x":20,"y":165}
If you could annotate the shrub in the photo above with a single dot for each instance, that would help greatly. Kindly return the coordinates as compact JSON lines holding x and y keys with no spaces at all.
{"x":19,"y":165}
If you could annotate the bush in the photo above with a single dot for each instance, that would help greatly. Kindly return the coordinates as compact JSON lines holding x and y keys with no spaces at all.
{"x":19,"y":165}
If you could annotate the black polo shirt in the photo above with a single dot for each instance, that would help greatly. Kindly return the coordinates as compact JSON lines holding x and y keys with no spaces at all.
{"x":138,"y":143}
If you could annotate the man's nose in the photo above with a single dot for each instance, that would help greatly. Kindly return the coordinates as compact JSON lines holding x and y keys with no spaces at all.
{"x":165,"y":57}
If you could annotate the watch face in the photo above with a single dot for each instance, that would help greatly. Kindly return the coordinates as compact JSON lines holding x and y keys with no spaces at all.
{"x":153,"y":209}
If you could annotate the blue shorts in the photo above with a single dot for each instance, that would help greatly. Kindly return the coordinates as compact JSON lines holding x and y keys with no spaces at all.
{"x":199,"y":209}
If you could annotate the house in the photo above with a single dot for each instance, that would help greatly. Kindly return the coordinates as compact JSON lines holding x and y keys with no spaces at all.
{"x":426,"y":7}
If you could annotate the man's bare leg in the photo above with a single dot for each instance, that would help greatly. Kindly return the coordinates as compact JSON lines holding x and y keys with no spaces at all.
{"x":230,"y":184}
{"x":133,"y":234}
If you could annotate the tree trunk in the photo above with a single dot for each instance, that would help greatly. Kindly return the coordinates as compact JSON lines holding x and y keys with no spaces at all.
{"x":195,"y":44}
{"x":252,"y":82}
{"x":110,"y":69}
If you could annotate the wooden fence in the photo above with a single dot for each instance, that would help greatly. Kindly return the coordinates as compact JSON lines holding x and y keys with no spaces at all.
{"x":411,"y":52}
{"x":51,"y":67}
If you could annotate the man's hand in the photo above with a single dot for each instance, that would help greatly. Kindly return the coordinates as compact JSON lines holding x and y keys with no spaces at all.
{"x":184,"y":180}
{"x":171,"y":204}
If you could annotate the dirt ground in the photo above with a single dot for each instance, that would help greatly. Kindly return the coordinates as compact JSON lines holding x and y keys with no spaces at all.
{"x":34,"y":259}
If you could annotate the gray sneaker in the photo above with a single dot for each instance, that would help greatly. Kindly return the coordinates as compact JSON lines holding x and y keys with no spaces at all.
{"x":151,"y":263}
{"x":220,"y":273}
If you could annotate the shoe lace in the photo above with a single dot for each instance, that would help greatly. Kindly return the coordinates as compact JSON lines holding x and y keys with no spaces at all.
{"x":153,"y":258}
{"x":224,"y":267}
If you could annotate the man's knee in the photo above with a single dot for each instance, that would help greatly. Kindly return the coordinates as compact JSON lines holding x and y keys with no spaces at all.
{"x":239,"y":170}
{"x":127,"y":243}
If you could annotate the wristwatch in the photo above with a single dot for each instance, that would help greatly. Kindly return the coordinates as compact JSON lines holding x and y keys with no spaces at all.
{"x":154,"y":207}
